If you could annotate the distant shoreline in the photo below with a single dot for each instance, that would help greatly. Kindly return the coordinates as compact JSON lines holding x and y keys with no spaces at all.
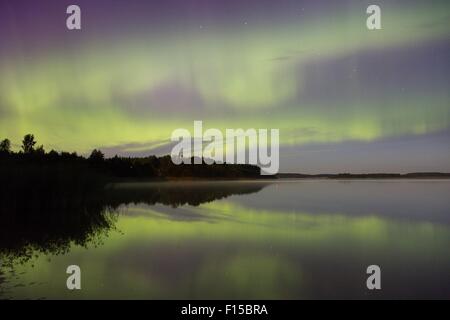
{"x":291,"y":176}
{"x":378,"y":176}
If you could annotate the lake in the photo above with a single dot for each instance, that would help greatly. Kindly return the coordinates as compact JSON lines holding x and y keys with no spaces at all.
{"x":281,"y":239}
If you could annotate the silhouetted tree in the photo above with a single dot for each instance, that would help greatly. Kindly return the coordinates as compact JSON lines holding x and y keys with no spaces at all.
{"x":96,"y":156}
{"x":40,"y":150}
{"x":53,"y":155}
{"x":28,"y":143}
{"x":5,"y":146}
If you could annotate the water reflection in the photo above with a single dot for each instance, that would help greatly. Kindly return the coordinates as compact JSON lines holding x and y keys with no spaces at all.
{"x":50,"y":221}
{"x":252,"y":240}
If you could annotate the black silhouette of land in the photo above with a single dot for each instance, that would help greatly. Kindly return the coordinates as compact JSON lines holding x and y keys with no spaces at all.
{"x":412,"y":175}
{"x":33,"y":161}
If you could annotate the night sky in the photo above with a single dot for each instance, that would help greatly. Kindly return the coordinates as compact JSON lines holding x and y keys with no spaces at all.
{"x":344,"y":98}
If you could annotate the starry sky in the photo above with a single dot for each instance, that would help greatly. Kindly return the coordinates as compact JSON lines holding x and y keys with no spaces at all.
{"x":343,"y":97}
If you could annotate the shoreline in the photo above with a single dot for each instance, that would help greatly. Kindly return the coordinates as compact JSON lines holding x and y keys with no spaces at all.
{"x":272,"y":179}
{"x":367,"y":176}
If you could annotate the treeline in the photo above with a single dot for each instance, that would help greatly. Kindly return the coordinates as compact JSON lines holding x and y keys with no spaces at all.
{"x":119,"y":167}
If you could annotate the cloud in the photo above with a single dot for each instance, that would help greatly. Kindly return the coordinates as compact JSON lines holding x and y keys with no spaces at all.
{"x":139,"y":149}
{"x":380,"y":74}
{"x":167,"y":97}
{"x":405,"y":153}
{"x":281,"y":58}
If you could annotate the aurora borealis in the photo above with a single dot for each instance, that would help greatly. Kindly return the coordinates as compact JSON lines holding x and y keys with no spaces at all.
{"x":261,"y":246}
{"x":344,"y":98}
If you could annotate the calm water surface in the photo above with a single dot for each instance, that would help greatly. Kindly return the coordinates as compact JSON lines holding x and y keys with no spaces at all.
{"x":250,"y":240}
